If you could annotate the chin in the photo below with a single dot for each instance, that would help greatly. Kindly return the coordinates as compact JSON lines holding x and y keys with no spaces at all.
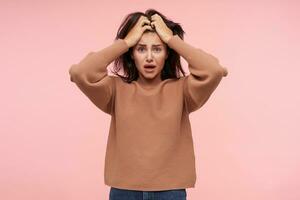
{"x":149,"y":75}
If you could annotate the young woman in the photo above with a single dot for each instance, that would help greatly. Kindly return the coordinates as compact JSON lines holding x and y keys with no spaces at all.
{"x":149,"y":153}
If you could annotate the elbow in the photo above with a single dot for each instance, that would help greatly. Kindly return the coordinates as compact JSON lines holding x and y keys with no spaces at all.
{"x":217,"y":74}
{"x":72,"y":69}
{"x":224,"y":71}
{"x":73,"y":72}
{"x":221,"y":69}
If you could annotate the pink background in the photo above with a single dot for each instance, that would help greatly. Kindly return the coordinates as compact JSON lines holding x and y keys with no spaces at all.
{"x":246,"y":136}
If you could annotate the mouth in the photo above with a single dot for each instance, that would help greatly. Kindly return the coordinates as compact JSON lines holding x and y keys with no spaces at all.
{"x":149,"y":67}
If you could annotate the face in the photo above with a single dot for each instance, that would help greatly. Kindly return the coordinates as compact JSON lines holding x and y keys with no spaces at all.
{"x":151,"y":50}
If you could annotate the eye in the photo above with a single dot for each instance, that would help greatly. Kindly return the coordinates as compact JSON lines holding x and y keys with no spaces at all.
{"x":140,"y":48}
{"x":157,"y":49}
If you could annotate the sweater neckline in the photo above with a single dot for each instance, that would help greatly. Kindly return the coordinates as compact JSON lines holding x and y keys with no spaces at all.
{"x":151,"y":88}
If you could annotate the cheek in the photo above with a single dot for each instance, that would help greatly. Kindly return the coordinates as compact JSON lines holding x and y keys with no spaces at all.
{"x":138,"y":59}
{"x":161,"y":58}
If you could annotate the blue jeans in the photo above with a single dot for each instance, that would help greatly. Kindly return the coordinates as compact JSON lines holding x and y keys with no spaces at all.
{"x":123,"y":194}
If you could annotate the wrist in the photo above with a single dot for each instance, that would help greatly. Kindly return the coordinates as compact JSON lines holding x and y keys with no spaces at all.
{"x":127,"y":42}
{"x":169,"y":38}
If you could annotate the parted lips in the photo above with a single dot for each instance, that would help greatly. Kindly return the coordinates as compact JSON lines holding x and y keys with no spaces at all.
{"x":149,"y":66}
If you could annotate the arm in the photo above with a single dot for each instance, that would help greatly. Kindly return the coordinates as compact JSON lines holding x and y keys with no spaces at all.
{"x":205,"y":73}
{"x":90,"y":75}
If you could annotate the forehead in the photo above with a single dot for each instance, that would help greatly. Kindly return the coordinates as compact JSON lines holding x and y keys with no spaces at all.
{"x":149,"y":39}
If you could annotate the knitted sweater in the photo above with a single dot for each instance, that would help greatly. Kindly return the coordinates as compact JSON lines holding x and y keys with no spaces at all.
{"x":150,"y":144}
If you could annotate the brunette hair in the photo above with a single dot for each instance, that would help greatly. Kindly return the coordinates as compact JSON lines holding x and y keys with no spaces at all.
{"x":172,"y":66}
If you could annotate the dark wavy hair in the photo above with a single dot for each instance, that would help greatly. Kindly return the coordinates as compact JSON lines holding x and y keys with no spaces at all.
{"x":172,"y":66}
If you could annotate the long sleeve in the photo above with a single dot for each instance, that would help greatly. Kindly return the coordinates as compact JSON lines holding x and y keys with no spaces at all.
{"x":91,"y":77}
{"x":205,"y":73}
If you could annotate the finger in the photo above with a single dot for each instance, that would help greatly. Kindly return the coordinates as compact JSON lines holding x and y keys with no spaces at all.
{"x":147,"y":27}
{"x":156,"y":18}
{"x":145,"y":21}
{"x":141,"y":18}
{"x":152,"y":24}
{"x":153,"y":16}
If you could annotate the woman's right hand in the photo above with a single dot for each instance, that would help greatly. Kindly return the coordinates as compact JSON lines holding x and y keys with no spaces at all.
{"x":137,"y":31}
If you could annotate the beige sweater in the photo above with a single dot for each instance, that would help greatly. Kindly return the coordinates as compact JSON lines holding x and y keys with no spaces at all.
{"x":150,"y":145}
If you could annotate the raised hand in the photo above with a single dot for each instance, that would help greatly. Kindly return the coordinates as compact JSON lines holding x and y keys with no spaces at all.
{"x":164,"y":32}
{"x":137,"y":31}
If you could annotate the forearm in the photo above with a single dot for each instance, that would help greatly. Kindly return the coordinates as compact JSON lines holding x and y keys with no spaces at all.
{"x":194,"y":56}
{"x":93,"y":66}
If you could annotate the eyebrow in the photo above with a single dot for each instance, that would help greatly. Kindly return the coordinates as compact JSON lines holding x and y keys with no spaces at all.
{"x":152,"y":45}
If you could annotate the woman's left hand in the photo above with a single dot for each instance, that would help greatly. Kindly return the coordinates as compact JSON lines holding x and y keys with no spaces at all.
{"x":161,"y":28}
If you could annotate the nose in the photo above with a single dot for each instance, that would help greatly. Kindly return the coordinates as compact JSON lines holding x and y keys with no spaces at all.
{"x":149,"y":56}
